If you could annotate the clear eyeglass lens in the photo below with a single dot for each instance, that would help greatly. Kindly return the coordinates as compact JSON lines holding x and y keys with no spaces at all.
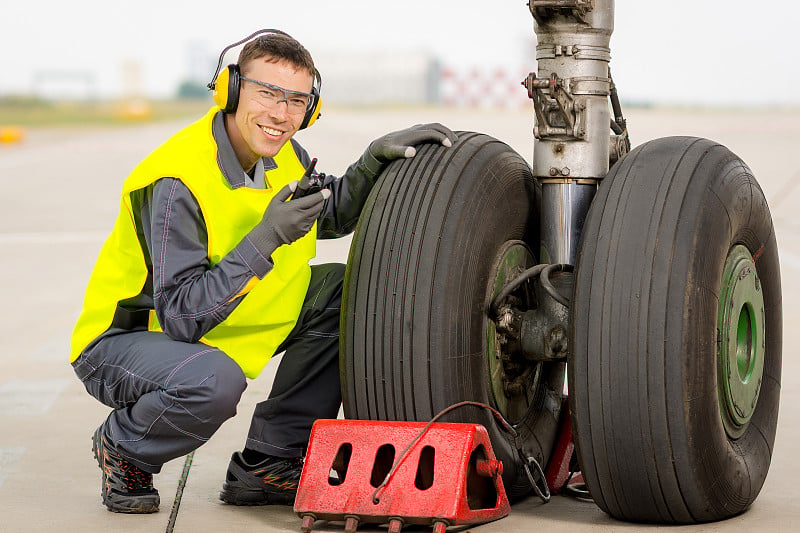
{"x":270,"y":95}
{"x":296,"y":104}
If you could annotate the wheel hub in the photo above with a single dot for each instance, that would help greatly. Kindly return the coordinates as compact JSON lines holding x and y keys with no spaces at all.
{"x":511,"y":377}
{"x":740,"y":330}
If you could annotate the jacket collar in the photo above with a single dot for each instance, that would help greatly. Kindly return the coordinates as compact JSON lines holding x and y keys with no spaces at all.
{"x":226,"y":157}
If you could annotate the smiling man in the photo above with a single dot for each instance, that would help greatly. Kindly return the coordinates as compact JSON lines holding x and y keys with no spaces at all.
{"x":206,"y":275}
{"x":259,"y":128}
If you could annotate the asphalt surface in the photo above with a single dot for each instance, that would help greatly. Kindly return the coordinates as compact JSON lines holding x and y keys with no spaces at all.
{"x":60,"y":196}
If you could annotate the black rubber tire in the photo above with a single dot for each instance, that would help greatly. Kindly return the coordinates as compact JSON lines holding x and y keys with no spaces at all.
{"x":415,"y":298}
{"x":644,"y":376}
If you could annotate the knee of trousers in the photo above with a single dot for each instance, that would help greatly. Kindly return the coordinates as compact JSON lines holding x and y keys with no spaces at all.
{"x":214,"y":399}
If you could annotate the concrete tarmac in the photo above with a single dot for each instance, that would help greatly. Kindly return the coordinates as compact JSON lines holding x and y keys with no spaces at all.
{"x":59,"y":193}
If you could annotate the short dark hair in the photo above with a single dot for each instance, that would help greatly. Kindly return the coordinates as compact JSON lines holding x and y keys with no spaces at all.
{"x":276,"y":47}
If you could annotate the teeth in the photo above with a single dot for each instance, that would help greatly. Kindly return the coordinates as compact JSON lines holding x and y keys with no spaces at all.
{"x":270,"y":131}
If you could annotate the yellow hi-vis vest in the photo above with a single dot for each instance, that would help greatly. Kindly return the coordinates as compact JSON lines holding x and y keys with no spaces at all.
{"x":269,"y":309}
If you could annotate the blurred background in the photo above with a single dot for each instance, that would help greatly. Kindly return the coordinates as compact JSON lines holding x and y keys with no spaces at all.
{"x":95,"y":61}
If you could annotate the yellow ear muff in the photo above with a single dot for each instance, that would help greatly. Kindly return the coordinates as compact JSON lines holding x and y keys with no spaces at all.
{"x":220,"y":93}
{"x":226,"y":89}
{"x":313,"y":114}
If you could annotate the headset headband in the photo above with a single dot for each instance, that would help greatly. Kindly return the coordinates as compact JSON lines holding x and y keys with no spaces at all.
{"x":237,"y":43}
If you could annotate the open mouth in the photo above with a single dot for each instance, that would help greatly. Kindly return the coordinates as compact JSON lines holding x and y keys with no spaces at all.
{"x":271,"y":132}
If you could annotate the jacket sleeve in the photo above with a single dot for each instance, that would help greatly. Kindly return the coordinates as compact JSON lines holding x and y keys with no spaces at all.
{"x":348,"y":194}
{"x":190,"y":295}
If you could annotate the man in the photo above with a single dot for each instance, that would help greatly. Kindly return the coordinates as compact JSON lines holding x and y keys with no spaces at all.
{"x":206,"y":275}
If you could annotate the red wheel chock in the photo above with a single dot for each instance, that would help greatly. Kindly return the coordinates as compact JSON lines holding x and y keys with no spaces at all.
{"x":558,"y":473}
{"x":359,"y":471}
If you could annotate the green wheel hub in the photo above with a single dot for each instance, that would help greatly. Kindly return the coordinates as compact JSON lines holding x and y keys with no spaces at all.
{"x":512,"y":259}
{"x":740,"y":336}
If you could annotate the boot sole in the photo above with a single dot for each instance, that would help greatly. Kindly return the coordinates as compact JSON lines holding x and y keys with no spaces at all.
{"x":249,"y":496}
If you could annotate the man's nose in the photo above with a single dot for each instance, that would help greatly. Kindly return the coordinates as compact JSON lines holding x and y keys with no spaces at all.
{"x":280,"y":110}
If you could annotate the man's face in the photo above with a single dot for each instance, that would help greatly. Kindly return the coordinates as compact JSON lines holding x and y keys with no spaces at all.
{"x":260,"y":129}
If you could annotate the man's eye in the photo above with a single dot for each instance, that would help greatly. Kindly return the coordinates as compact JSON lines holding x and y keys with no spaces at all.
{"x":298,"y":102}
{"x":269,"y":93}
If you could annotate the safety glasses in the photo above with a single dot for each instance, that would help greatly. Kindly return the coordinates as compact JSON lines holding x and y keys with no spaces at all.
{"x":271,"y":95}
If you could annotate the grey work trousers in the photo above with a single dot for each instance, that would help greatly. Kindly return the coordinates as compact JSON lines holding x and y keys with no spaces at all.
{"x":169,"y":397}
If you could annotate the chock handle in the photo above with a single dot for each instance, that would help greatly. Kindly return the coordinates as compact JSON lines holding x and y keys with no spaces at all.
{"x":489,"y":468}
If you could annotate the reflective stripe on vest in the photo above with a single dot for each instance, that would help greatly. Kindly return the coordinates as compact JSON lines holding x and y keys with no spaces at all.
{"x":268,"y":312}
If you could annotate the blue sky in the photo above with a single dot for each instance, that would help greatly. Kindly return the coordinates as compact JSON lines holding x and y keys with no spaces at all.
{"x":680,"y":51}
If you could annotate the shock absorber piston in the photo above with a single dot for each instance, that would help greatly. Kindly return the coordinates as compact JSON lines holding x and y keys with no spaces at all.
{"x":570,"y":91}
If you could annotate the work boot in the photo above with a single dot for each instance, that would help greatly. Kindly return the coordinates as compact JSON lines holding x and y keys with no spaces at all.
{"x":126,"y":488}
{"x":272,"y":481}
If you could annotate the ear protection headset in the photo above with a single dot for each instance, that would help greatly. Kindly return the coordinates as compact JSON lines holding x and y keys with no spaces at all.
{"x":227,"y":82}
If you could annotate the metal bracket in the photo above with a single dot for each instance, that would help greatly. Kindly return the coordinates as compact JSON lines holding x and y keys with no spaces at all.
{"x":618,"y":146}
{"x":558,"y":112}
{"x":620,"y":142}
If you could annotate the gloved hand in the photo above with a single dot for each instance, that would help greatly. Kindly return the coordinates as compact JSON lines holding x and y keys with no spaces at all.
{"x":285,"y":222}
{"x":401,"y":144}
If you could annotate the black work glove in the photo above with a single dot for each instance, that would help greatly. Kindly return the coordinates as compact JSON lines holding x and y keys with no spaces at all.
{"x":285,"y":222}
{"x":401,"y":144}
